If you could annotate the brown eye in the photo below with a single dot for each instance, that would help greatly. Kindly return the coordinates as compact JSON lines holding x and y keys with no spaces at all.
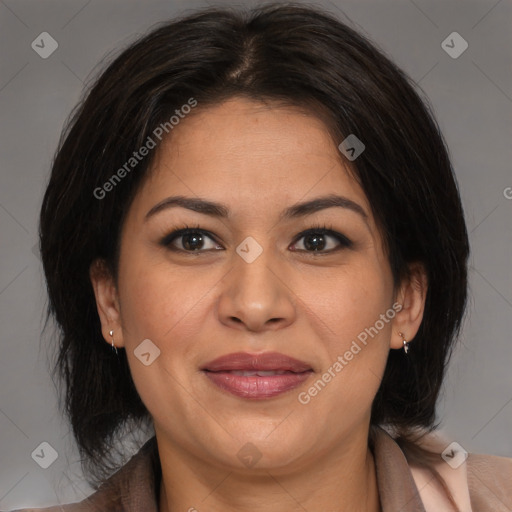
{"x":322,"y":240}
{"x":190,"y":240}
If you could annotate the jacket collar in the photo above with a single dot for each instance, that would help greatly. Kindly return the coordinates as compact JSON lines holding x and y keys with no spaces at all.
{"x":136,"y":485}
{"x":397,"y":488}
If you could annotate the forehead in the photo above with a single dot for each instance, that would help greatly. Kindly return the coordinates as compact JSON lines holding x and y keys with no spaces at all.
{"x":250,"y":153}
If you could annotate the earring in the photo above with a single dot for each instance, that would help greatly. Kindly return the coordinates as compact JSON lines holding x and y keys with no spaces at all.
{"x":112,"y":336}
{"x":406,"y":343}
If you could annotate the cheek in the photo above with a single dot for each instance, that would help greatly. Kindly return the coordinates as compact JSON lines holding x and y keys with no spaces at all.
{"x":355,"y":354}
{"x":163,"y":305}
{"x":346,"y":310}
{"x":344,"y":302}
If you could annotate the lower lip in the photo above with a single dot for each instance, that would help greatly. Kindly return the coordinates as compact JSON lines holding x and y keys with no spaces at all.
{"x":256,"y":387}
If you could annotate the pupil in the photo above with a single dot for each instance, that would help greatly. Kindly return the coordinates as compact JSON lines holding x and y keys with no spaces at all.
{"x":318,"y":242}
{"x":192,"y":241}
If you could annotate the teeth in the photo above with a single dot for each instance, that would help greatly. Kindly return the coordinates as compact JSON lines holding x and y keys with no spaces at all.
{"x":260,"y":373}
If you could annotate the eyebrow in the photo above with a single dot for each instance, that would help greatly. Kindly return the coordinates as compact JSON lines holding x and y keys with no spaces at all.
{"x":221,"y":211}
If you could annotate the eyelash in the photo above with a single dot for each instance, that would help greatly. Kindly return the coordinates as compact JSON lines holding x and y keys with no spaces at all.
{"x":317,"y":230}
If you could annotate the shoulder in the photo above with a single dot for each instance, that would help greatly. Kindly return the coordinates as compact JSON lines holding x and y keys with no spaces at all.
{"x":106,"y":498}
{"x":490,"y":481}
{"x":131,"y":488}
{"x":73,"y":507}
{"x":476,"y":482}
{"x":96,"y":502}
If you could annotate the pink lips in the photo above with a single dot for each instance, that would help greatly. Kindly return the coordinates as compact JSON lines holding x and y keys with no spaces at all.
{"x":257,"y":376}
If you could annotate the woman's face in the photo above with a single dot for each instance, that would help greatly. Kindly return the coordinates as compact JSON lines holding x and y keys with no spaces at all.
{"x":248,"y":281}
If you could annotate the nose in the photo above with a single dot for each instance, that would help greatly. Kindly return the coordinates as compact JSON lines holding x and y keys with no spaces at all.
{"x":255,"y":296}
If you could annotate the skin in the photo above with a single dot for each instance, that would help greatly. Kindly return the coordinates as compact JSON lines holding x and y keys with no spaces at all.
{"x":197,"y":307}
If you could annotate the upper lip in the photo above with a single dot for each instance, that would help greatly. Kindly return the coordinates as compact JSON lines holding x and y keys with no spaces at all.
{"x":267,"y":361}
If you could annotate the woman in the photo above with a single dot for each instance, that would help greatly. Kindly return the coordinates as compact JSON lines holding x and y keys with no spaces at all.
{"x":254,"y":244}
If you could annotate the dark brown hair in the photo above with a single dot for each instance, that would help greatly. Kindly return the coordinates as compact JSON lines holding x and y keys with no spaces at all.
{"x":287,"y":53}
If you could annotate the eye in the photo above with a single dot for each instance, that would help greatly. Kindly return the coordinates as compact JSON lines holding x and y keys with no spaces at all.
{"x":321,"y":239}
{"x":190,"y":240}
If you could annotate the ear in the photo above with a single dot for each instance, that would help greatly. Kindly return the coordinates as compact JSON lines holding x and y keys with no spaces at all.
{"x":411,"y":296}
{"x":107,"y":302}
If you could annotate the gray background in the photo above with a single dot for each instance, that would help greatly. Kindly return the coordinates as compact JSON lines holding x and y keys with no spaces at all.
{"x":472,"y":97}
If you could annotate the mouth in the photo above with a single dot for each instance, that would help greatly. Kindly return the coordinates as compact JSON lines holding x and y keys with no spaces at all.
{"x":259,"y":373}
{"x":257,"y":376}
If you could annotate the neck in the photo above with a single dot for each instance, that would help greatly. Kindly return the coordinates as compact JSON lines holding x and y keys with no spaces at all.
{"x":338,"y":482}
